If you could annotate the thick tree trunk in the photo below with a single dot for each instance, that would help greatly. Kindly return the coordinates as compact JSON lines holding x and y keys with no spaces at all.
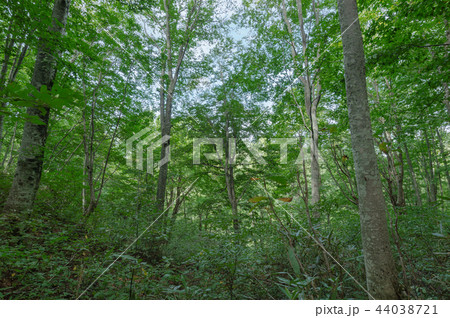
{"x":31,"y":154}
{"x":380,"y":270}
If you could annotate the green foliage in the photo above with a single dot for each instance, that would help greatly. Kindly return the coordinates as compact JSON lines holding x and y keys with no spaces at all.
{"x":237,"y":80}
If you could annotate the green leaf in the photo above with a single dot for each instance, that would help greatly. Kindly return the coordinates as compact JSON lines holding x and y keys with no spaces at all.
{"x":293,"y":261}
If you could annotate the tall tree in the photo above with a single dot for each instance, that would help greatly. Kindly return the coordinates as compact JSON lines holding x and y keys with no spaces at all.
{"x":380,"y":270}
{"x":310,"y":79}
{"x":29,"y":167}
{"x":171,"y":70}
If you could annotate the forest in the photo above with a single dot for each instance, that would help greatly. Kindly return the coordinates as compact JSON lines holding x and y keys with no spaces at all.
{"x":224,"y":149}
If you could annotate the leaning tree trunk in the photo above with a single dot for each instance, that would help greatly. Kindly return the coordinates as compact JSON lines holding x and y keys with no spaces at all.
{"x":31,"y":152}
{"x":380,"y":270}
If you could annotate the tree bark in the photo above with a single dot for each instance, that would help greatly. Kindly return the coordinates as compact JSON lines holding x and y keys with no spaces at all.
{"x":400,"y":177}
{"x":10,"y":152}
{"x":31,"y":153}
{"x":229,"y":178}
{"x":444,"y":157}
{"x":312,"y":94}
{"x":445,"y":83}
{"x":4,"y":82}
{"x":379,"y":263}
{"x":166,"y":101}
{"x":432,"y":194}
{"x":413,"y":176}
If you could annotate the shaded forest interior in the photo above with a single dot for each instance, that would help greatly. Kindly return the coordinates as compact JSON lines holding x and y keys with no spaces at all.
{"x":217,"y":149}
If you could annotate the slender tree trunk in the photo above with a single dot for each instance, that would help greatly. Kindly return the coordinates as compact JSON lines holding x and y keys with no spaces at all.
{"x":312,"y":94}
{"x":445,"y":83}
{"x":9,"y":43}
{"x":179,"y":200}
{"x":413,"y":176}
{"x":12,"y":77}
{"x":229,"y":177}
{"x":315,"y":168}
{"x":6,"y":162}
{"x":166,"y":101}
{"x":400,"y":177}
{"x":166,"y":112}
{"x":432,"y":197}
{"x":164,"y":168}
{"x":162,"y":176}
{"x":31,"y":154}
{"x":232,"y":197}
{"x":90,"y":155}
{"x":381,"y":275}
{"x":312,"y":97}
{"x":397,"y":153}
{"x":444,"y":158}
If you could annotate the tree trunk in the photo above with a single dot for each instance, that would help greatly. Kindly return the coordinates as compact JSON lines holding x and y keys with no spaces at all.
{"x":31,"y":154}
{"x":400,"y":177}
{"x":432,"y":197}
{"x":229,"y":177}
{"x":167,"y":101}
{"x":413,"y":176}
{"x":315,"y":169}
{"x":12,"y":77}
{"x":444,"y":157}
{"x":312,"y":94}
{"x":380,"y":270}
{"x":10,"y":152}
{"x":164,"y":169}
{"x":162,"y":176}
{"x":445,"y":83}
{"x":312,"y":97}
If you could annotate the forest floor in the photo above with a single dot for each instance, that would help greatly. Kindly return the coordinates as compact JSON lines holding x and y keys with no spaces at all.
{"x":51,"y":257}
